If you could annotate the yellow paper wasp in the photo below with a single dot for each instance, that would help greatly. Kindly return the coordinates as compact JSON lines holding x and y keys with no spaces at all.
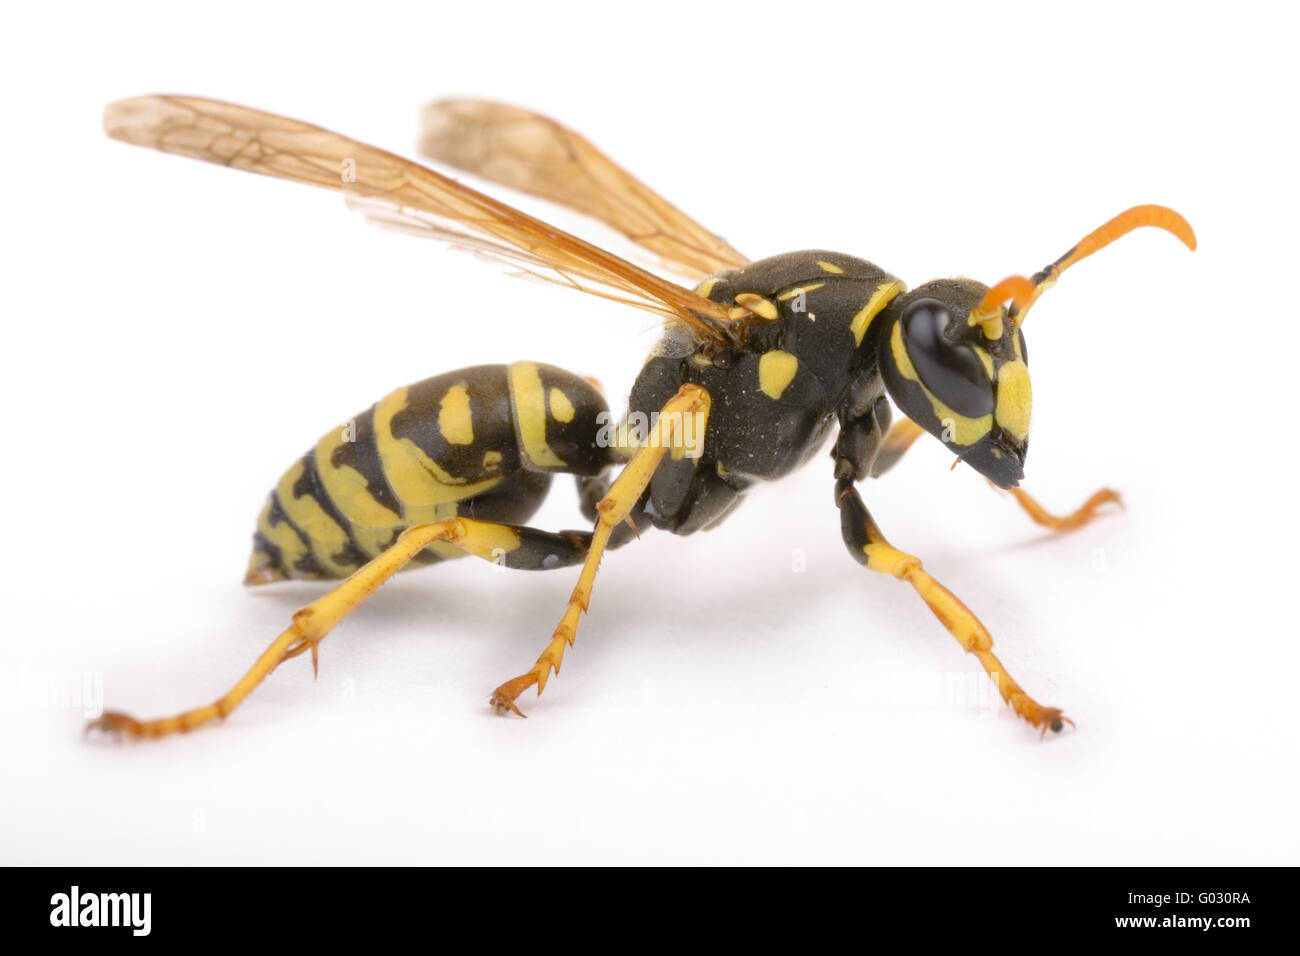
{"x":758,"y":363}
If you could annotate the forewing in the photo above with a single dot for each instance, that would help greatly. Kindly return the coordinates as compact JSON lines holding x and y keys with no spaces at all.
{"x":261,"y":142}
{"x":537,"y":155}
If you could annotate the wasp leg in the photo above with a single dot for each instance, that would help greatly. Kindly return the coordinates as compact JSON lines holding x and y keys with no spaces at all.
{"x":896,"y":442}
{"x":1081,"y":516}
{"x":904,"y":433}
{"x":511,"y":545}
{"x":612,"y":510}
{"x":870,"y":548}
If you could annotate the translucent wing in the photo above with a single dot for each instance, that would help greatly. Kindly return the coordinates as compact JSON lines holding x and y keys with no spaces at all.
{"x":259,"y":142}
{"x":535,"y":154}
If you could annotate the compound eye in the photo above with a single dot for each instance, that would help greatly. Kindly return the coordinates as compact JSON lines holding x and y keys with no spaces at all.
{"x":953,"y":372}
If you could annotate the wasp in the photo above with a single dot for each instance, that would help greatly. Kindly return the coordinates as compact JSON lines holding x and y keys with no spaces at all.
{"x":759,"y":364}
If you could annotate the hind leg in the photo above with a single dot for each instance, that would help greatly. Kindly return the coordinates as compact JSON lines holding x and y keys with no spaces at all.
{"x":512,"y":545}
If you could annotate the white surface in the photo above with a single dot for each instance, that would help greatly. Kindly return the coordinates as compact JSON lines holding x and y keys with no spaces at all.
{"x":175,"y":334}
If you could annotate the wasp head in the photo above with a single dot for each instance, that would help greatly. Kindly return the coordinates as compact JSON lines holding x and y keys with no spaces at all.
{"x":961,"y":374}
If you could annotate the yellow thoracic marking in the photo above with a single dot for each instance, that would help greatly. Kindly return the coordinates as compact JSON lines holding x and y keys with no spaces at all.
{"x":455,"y":421}
{"x":561,"y":407}
{"x":830,"y":267}
{"x":761,"y":307}
{"x":884,"y":294}
{"x":326,"y":536}
{"x":705,"y":287}
{"x":284,"y":537}
{"x":491,"y":459}
{"x":799,"y":290}
{"x":1014,"y":399}
{"x":776,"y":370}
{"x":964,"y":430}
{"x":420,"y":483}
{"x":372,"y":523}
{"x":528,"y":396}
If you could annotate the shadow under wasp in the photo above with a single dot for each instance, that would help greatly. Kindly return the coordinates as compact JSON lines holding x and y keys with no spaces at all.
{"x":758,"y":363}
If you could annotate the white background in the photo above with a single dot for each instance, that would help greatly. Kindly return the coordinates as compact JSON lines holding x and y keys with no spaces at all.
{"x":176,"y":334}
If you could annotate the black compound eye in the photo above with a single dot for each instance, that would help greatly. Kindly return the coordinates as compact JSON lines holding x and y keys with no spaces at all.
{"x":954,"y":373}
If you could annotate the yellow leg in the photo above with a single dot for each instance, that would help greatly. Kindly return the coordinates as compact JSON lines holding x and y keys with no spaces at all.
{"x":904,"y":434}
{"x":869,"y":547}
{"x":311,"y":623}
{"x":895,"y":444}
{"x":1076,"y":519}
{"x":624,"y":493}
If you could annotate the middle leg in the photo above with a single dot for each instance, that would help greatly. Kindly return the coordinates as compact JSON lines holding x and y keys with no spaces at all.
{"x":613,"y":509}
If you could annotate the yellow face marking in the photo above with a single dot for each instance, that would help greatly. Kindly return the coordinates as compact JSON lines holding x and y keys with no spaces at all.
{"x":528,"y":401}
{"x":985,"y":359}
{"x":776,"y":370}
{"x":372,"y":523}
{"x":799,"y":290}
{"x":705,"y":287}
{"x":1014,"y":399}
{"x":420,"y":483}
{"x":961,"y":429}
{"x":883,"y":295}
{"x":830,"y":267}
{"x":455,"y":421}
{"x":326,"y":536}
{"x":491,"y":459}
{"x":761,"y":307}
{"x":561,"y":407}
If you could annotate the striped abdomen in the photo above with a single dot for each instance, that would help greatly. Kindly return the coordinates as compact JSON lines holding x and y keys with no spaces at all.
{"x":480,"y":442}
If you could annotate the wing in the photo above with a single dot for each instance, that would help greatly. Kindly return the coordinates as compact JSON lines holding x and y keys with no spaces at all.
{"x":536,"y":155}
{"x":259,"y":142}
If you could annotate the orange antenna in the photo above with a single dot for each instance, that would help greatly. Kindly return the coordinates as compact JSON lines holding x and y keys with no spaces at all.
{"x":1023,"y":292}
{"x":988,"y":314}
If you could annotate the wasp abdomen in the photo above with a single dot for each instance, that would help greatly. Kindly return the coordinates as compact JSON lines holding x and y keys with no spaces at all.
{"x":481,"y":442}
